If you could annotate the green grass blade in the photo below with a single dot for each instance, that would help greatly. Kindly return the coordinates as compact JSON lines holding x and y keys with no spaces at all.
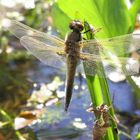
{"x":134,"y":9}
{"x":95,"y":93}
{"x":99,"y":91}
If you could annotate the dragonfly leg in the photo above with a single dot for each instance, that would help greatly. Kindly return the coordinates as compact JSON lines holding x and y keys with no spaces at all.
{"x":61,"y":53}
{"x":83,"y":57}
{"x":93,"y":31}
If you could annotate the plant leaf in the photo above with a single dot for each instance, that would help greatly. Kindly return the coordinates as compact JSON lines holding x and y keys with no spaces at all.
{"x":135,"y":8}
{"x":98,"y":14}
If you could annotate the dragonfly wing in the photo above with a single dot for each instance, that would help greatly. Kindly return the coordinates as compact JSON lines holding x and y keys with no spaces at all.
{"x":122,"y":68}
{"x":90,"y":68}
{"x":120,"y":45}
{"x":122,"y":65}
{"x":20,"y":30}
{"x":111,"y":53}
{"x":52,"y":56}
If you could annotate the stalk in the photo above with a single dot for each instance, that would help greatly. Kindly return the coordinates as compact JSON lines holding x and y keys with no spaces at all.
{"x":99,"y":90}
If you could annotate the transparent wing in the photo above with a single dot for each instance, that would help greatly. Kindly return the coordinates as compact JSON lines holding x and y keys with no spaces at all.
{"x":122,"y":65}
{"x":47,"y":47}
{"x":20,"y":30}
{"x":113,"y":53}
{"x":120,"y":45}
{"x":47,"y":54}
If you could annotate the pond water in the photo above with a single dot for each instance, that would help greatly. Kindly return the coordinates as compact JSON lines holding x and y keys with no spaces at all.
{"x":67,"y":125}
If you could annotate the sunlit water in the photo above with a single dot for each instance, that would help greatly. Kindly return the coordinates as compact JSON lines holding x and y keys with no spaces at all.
{"x":123,"y":101}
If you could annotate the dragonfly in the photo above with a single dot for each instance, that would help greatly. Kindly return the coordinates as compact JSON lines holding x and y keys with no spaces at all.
{"x":67,"y":55}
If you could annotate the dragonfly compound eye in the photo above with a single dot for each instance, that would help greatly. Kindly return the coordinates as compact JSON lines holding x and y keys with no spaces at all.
{"x":76,"y":25}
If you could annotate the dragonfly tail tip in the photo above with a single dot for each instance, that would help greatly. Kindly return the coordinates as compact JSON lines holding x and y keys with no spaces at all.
{"x":66,"y":109}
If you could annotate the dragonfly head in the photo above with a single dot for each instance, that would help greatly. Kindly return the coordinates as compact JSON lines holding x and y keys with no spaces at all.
{"x":76,"y":25}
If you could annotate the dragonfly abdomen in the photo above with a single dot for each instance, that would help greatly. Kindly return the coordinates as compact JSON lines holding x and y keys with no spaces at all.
{"x":72,"y":51}
{"x":71,"y":69}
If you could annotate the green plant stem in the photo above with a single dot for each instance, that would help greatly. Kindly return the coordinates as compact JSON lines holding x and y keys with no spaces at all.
{"x":95,"y":93}
{"x":99,"y":92}
{"x":10,"y":121}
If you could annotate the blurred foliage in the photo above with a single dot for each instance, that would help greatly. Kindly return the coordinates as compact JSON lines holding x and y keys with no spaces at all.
{"x":120,"y":21}
{"x":138,"y":136}
{"x":7,"y":130}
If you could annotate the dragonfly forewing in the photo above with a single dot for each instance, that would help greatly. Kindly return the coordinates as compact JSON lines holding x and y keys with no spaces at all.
{"x":20,"y":30}
{"x":119,"y":45}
